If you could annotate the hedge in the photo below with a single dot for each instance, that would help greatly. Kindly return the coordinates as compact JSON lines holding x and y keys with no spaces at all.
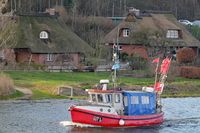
{"x":185,"y":55}
{"x":190,"y":72}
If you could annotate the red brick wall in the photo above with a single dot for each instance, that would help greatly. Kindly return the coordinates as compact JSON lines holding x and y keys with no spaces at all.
{"x":134,"y":49}
{"x":35,"y":58}
{"x":195,"y":49}
{"x":22,"y":56}
{"x":42,"y":58}
{"x":9,"y":55}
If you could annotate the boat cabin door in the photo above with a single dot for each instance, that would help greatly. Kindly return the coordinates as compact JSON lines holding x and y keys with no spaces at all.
{"x":118,"y":103}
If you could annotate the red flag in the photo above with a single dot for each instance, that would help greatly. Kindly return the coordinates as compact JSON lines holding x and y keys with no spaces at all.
{"x":157,"y":87}
{"x":155,"y":60}
{"x":164,"y":66}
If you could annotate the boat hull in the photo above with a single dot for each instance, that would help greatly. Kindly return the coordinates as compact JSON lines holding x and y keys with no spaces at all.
{"x":89,"y":117}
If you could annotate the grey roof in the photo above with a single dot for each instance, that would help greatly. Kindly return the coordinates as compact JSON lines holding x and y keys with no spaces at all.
{"x":61,"y":40}
{"x":151,"y":30}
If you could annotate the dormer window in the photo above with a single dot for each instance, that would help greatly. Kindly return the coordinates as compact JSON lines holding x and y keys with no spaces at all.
{"x":173,"y":34}
{"x":126,"y":32}
{"x":44,"y":35}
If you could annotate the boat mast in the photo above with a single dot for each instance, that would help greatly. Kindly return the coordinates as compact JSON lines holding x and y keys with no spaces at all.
{"x":116,"y":61}
{"x":114,"y":74}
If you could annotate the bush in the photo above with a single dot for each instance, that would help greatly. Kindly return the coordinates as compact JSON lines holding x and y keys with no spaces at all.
{"x":4,"y":10}
{"x":185,"y":55}
{"x":195,"y":30}
{"x":124,"y":57}
{"x":190,"y":72}
{"x":6,"y":85}
{"x":137,"y":62}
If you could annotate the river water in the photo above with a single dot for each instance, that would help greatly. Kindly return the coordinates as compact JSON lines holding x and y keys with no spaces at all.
{"x":182,"y":115}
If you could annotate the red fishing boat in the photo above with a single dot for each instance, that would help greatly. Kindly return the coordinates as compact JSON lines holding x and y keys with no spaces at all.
{"x":117,"y":108}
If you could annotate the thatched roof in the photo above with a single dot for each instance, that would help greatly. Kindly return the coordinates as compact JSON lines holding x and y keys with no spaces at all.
{"x":61,"y":40}
{"x":151,"y":30}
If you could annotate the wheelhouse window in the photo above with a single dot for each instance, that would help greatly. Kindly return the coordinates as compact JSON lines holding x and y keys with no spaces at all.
{"x":145,"y":100}
{"x":125,"y":101}
{"x":172,"y":34}
{"x":44,"y":35}
{"x":108,"y":98}
{"x":126,"y":32}
{"x":100,"y":98}
{"x":49,"y":57}
{"x":134,"y":100}
{"x":93,"y":98}
{"x":117,"y":98}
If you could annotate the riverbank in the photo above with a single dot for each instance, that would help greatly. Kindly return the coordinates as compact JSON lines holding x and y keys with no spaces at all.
{"x":44,"y":85}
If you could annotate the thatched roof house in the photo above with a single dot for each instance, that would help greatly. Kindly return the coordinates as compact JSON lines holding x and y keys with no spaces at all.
{"x":43,"y":40}
{"x":143,"y":34}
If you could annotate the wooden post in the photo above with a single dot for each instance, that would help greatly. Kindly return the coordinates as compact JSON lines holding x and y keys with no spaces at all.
{"x":58,"y":91}
{"x":30,"y":59}
{"x":72,"y":93}
{"x":29,"y":62}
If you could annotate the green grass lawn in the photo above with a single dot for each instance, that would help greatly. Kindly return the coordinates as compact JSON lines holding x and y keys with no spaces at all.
{"x":44,"y":84}
{"x":31,"y":79}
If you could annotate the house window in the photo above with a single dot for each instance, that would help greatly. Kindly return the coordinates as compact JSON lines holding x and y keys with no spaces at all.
{"x":172,"y":34}
{"x":44,"y":35}
{"x":49,"y":57}
{"x":126,"y":32}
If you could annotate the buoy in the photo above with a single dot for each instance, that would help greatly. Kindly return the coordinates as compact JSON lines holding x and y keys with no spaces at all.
{"x":121,"y":122}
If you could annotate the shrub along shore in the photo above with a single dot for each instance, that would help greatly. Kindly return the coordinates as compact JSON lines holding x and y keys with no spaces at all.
{"x":44,"y":85}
